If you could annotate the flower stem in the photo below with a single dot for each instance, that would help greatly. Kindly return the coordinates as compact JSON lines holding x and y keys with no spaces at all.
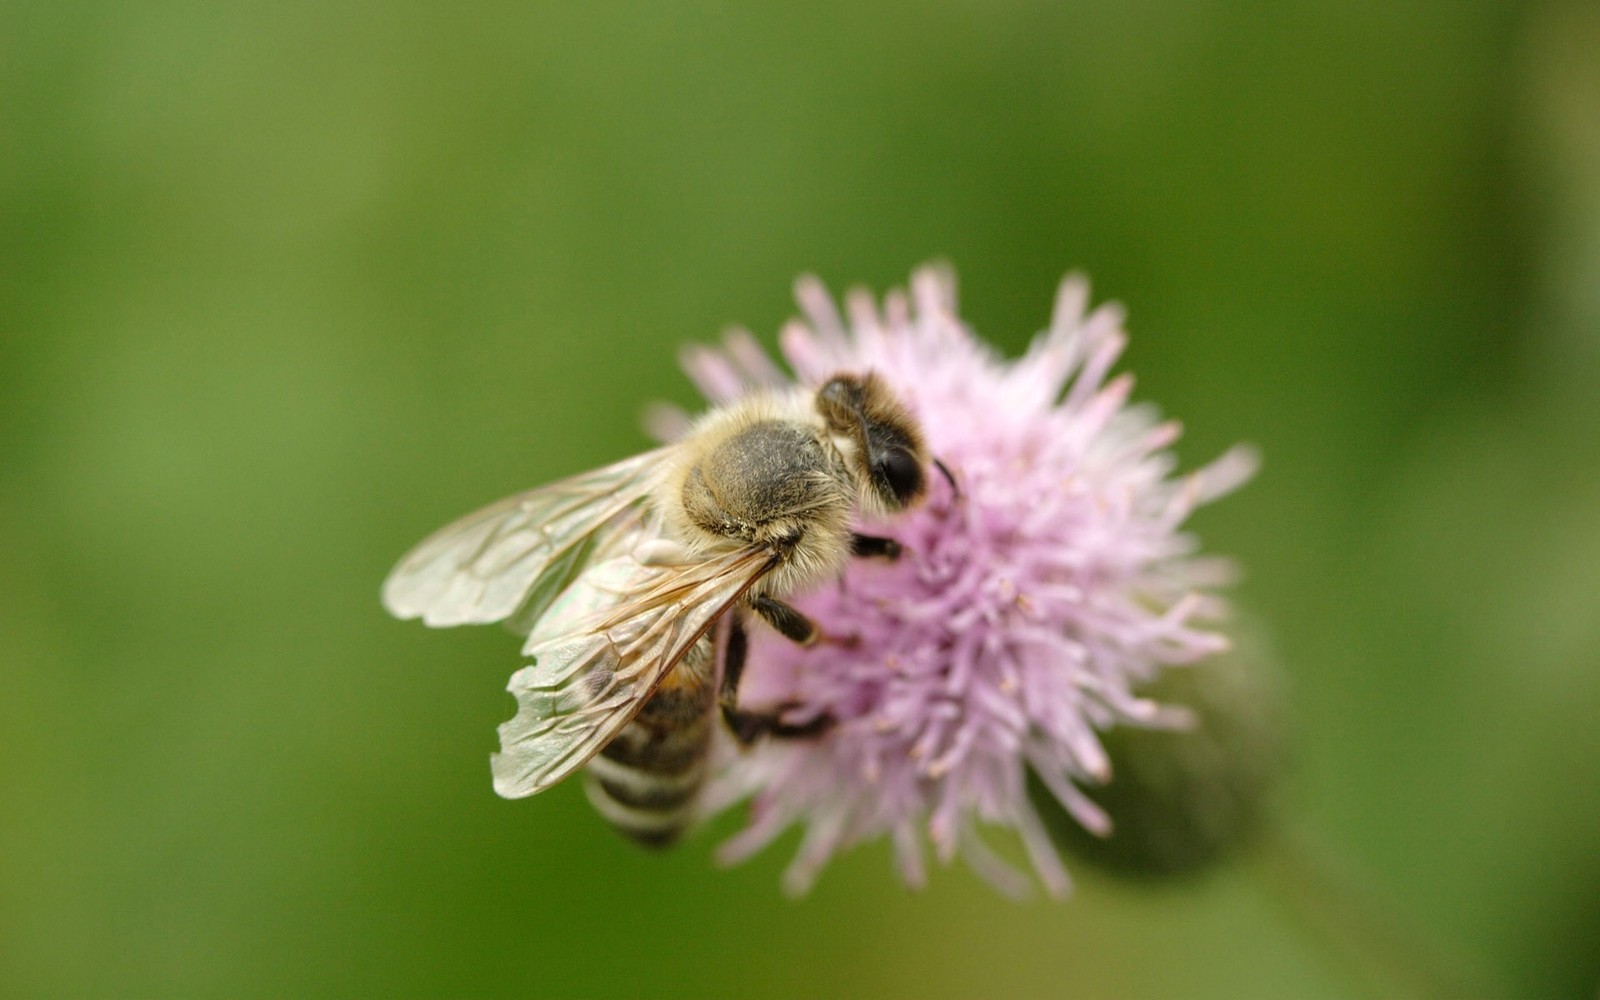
{"x":1338,"y":906}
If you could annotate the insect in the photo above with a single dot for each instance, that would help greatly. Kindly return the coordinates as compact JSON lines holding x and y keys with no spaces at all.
{"x":621,"y":576}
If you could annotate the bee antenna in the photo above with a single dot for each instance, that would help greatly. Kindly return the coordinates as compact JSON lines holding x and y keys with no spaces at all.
{"x":944,"y":470}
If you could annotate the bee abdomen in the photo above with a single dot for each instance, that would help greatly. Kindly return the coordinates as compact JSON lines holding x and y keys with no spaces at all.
{"x":645,"y":781}
{"x":649,"y":807}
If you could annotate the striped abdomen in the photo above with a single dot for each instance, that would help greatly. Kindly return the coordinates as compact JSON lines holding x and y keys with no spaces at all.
{"x":645,"y":781}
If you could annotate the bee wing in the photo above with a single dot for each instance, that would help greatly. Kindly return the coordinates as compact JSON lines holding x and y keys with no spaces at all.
{"x":600,"y":652}
{"x":492,"y":563}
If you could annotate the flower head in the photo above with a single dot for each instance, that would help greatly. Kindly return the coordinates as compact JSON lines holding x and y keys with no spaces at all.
{"x":1034,"y":593}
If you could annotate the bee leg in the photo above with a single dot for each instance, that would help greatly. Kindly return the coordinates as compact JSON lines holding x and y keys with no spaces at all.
{"x":794,"y":625}
{"x":734,"y":652}
{"x":775,"y":726}
{"x":747,"y":726}
{"x":870,"y":546}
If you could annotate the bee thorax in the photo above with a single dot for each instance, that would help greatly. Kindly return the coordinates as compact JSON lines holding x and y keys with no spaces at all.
{"x":770,"y":481}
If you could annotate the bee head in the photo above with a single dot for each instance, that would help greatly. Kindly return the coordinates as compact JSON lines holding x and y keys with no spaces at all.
{"x":890,"y":456}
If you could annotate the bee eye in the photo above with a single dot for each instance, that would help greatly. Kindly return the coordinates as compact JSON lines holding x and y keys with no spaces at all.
{"x":898,"y":469}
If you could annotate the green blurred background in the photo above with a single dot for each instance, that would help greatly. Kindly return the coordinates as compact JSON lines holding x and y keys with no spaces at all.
{"x":282,"y":288}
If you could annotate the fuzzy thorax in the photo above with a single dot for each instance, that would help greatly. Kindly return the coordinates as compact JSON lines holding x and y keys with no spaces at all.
{"x":763,"y":473}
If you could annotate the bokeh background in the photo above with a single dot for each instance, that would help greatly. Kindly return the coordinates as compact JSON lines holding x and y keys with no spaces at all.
{"x":284,"y":287}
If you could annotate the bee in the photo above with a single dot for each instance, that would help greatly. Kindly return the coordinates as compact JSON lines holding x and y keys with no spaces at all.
{"x":621,"y":576}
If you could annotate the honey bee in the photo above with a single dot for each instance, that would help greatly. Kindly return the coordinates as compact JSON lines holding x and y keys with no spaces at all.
{"x":621,"y":575}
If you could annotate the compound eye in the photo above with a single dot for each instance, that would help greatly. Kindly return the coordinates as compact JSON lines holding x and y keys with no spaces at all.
{"x":898,"y":469}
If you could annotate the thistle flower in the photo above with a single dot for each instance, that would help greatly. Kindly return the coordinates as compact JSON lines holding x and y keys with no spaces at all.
{"x":1029,"y":602}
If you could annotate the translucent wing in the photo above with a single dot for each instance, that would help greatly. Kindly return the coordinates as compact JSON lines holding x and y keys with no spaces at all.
{"x":493,"y":563}
{"x":600,"y":651}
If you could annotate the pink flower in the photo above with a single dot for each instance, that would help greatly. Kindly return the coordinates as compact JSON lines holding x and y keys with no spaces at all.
{"x":1023,"y":613}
